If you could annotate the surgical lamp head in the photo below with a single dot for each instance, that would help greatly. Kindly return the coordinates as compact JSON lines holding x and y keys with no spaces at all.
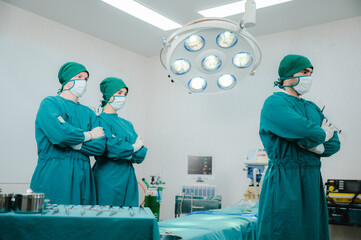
{"x":210,"y":55}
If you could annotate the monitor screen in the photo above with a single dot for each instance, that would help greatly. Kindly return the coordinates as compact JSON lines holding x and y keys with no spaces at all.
{"x":352,"y":186}
{"x":199,"y":165}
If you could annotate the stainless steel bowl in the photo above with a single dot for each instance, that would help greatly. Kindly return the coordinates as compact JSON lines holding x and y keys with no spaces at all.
{"x":5,"y":202}
{"x":29,"y":203}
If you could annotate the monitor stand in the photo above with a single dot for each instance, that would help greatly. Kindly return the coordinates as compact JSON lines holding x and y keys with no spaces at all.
{"x":200,"y":180}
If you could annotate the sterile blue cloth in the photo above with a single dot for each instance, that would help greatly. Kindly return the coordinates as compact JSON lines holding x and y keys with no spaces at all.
{"x":79,"y":222}
{"x":223,"y":224}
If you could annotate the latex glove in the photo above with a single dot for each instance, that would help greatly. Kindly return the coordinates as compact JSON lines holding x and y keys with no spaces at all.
{"x":328,"y":128}
{"x":139,"y":143}
{"x":318,"y":150}
{"x":140,"y":140}
{"x":61,"y":119}
{"x":96,"y":133}
{"x":77,"y":147}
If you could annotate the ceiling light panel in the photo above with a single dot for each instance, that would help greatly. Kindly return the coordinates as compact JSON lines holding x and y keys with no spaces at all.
{"x":236,"y":8}
{"x":143,"y":13}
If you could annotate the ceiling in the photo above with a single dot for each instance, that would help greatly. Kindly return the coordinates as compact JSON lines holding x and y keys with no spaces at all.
{"x":103,"y":21}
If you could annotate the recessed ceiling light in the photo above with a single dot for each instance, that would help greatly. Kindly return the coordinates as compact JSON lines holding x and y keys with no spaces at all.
{"x":236,"y":8}
{"x":143,"y":13}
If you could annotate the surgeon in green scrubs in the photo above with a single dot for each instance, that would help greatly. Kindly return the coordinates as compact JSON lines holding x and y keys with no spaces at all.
{"x":295,"y":134}
{"x":114,"y":173}
{"x":67,"y":133}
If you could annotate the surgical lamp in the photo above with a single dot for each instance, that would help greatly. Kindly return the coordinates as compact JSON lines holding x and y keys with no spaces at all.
{"x":211,"y":55}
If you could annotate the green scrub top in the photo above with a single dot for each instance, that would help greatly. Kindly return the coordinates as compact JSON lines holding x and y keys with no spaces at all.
{"x":64,"y":174}
{"x":114,"y":173}
{"x":292,"y":203}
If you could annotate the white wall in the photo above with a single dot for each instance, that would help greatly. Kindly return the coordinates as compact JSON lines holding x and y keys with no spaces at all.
{"x":32,"y":49}
{"x":227,"y":125}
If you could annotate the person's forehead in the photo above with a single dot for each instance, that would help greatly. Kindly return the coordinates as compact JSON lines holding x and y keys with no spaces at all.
{"x":84,"y":73}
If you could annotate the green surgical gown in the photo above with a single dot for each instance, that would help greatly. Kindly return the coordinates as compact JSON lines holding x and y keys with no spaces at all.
{"x":114,"y":173}
{"x":64,"y":174}
{"x":292,"y":203}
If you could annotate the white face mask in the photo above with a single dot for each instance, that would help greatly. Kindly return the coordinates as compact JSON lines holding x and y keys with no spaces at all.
{"x":79,"y":87}
{"x":118,"y":102}
{"x":304,"y":84}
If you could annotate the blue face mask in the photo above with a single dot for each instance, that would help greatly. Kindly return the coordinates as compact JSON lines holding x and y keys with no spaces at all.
{"x":303,"y":85}
{"x":118,"y":102}
{"x":79,"y":87}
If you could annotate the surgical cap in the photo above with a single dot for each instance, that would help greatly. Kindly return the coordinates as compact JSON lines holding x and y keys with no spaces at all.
{"x":292,"y":64}
{"x":69,"y":70}
{"x":109,"y":86}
